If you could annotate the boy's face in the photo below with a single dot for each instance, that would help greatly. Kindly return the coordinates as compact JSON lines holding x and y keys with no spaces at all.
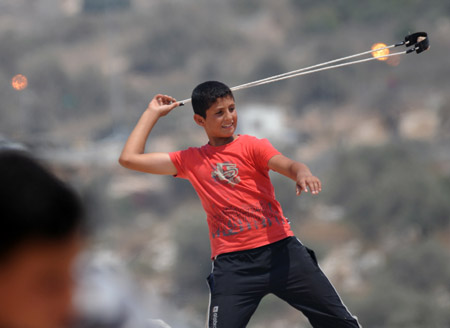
{"x":221,"y":119}
{"x":36,"y":284}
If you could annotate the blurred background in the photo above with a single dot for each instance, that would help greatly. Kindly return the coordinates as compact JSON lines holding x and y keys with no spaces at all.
{"x":377,"y":134}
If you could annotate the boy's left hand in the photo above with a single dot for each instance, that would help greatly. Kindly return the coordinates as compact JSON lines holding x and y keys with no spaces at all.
{"x":296,"y":171}
{"x":305,"y":181}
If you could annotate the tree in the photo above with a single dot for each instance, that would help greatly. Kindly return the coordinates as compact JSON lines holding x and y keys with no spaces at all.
{"x":389,"y":190}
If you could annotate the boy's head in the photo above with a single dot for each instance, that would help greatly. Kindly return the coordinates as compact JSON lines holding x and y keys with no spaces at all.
{"x":214,"y":109}
{"x":206,"y":94}
{"x":40,"y":223}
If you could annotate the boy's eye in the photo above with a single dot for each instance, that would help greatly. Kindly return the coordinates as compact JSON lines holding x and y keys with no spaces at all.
{"x":232,"y":109}
{"x":219,"y":112}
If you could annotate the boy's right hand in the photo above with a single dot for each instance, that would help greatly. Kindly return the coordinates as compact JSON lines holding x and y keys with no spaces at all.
{"x":162,"y":105}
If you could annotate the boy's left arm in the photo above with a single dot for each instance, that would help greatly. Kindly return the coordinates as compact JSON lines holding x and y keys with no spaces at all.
{"x":296,"y":171}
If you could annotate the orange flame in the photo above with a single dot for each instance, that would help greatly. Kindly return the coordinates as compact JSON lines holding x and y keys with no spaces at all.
{"x":19,"y":82}
{"x":380,"y":53}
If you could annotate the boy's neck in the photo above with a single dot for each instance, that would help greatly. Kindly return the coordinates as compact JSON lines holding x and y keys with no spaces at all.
{"x":216,"y":142}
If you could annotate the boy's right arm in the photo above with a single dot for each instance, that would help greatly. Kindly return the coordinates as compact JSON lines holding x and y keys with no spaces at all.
{"x":133,"y":156}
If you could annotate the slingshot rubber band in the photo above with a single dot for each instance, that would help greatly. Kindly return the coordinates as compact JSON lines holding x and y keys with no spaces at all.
{"x":418,"y":41}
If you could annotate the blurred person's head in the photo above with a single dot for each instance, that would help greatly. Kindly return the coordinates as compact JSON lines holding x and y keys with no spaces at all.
{"x":40,"y":223}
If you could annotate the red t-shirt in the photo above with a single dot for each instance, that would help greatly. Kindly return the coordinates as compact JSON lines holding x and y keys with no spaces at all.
{"x":234,"y":187}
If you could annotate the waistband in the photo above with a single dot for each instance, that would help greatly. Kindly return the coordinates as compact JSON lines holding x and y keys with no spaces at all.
{"x":258,"y":249}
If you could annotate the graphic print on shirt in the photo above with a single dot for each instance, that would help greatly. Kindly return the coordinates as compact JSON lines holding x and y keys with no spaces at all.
{"x":227,"y":172}
{"x":234,"y":220}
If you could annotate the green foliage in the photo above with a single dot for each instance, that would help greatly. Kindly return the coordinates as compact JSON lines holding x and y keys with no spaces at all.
{"x":367,"y":11}
{"x":324,"y":88}
{"x":409,"y":290}
{"x":89,"y":93}
{"x":168,"y":47}
{"x":427,"y":260}
{"x":96,"y":6}
{"x":193,"y":262}
{"x":247,"y":7}
{"x":387,"y":189}
{"x":61,"y":96}
{"x":322,"y":18}
{"x":12,"y":48}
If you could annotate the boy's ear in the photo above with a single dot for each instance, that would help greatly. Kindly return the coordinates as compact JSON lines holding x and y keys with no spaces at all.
{"x":199,"y":120}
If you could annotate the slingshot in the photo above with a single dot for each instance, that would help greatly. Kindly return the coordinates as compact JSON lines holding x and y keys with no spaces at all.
{"x":416,"y":42}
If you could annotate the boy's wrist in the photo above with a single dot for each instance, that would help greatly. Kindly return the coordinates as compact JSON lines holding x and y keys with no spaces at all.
{"x":304,"y":174}
{"x":151,"y":112}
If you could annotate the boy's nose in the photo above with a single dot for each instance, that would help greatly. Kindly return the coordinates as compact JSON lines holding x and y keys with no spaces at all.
{"x":228,"y":116}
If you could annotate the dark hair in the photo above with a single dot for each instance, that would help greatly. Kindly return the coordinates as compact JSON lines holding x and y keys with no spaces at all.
{"x":206,"y":94}
{"x":35,"y":205}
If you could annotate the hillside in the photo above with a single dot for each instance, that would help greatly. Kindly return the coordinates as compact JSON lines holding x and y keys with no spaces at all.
{"x":376,"y":133}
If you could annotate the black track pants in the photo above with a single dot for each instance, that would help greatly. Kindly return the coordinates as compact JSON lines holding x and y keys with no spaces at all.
{"x":239,"y":281}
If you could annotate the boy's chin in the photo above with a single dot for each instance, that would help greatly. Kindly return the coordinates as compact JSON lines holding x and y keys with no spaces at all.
{"x":223,"y":134}
{"x":228,"y":135}
{"x":229,"y":132}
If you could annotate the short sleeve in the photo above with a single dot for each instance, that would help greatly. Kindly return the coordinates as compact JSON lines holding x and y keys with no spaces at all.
{"x":263,"y":151}
{"x":179,"y":159}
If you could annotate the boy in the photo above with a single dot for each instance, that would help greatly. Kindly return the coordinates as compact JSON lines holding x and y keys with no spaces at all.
{"x":254,"y":251}
{"x":40,"y":237}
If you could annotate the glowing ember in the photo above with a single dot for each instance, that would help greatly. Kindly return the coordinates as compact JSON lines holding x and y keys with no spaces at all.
{"x":19,"y":82}
{"x":380,"y":53}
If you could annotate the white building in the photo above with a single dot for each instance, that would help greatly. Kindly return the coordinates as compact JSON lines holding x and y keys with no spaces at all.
{"x":264,"y":121}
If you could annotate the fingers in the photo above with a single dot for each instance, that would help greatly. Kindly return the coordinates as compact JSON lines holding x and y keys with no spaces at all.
{"x":164,"y":99}
{"x":314,"y":186}
{"x":301,"y":186}
{"x":162,"y":104}
{"x":313,"y":183}
{"x":174,"y":104}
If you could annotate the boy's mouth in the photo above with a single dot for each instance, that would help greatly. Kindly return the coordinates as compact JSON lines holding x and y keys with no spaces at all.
{"x":227,"y":126}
